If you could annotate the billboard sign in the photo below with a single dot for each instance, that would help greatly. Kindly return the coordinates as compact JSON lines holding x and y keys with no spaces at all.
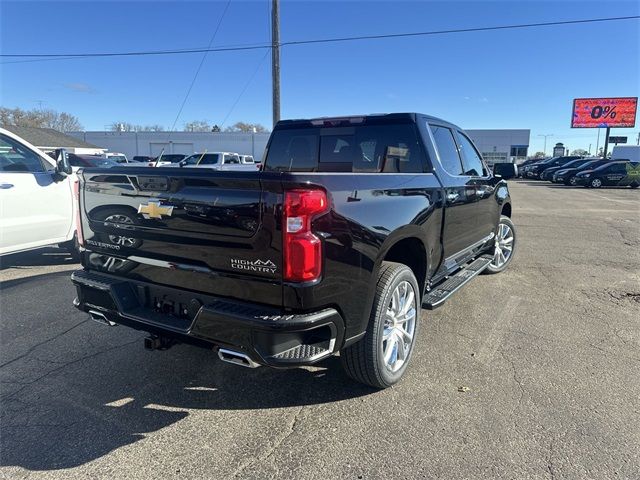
{"x":617,"y":140}
{"x":617,"y":112}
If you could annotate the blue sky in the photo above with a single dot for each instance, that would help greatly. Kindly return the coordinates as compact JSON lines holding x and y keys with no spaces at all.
{"x":502,"y":79}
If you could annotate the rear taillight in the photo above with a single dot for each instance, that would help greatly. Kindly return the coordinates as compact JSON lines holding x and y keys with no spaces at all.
{"x":76,"y":194}
{"x":302,"y":249}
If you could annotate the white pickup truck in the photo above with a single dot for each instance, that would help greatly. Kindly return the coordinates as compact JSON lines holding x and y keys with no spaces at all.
{"x":37,"y":201}
{"x":226,"y":161}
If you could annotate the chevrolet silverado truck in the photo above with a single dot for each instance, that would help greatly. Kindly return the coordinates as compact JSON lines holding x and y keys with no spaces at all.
{"x":351,"y":227}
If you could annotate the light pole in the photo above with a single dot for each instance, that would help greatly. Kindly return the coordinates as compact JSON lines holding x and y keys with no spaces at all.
{"x":545,"y":141}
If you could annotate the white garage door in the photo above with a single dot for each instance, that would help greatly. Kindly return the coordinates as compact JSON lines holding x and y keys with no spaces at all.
{"x":156,"y":148}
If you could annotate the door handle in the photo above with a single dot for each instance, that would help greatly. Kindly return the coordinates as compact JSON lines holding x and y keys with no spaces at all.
{"x":452,"y":196}
{"x":5,"y":186}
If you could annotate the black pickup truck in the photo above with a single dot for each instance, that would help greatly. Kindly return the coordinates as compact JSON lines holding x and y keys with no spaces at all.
{"x":352,"y":225}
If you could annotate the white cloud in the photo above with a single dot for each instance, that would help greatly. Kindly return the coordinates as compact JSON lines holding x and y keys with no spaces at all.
{"x":79,"y":87}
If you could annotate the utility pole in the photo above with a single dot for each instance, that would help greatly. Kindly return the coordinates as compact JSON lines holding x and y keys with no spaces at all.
{"x":545,"y":142}
{"x":275,"y":59}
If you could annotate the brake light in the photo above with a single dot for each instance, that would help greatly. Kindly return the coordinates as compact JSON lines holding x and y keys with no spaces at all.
{"x":76,"y":194}
{"x":302,"y":249}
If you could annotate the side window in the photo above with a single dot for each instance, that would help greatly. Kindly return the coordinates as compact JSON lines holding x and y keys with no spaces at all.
{"x":447,"y":149}
{"x":388,"y":149}
{"x":471,"y":159}
{"x":231,"y":159}
{"x":15,"y":157}
{"x":208,"y":159}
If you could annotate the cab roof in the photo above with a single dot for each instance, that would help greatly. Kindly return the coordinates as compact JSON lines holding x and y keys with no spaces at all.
{"x":369,"y":119}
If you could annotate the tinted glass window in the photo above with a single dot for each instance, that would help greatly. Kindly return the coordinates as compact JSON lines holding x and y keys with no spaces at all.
{"x":208,"y":159}
{"x":15,"y":157}
{"x":293,"y":150}
{"x":364,"y":148}
{"x":447,"y":149}
{"x":470,"y":157}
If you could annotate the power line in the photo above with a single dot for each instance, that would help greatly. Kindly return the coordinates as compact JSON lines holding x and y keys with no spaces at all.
{"x":316,"y":41}
{"x":204,"y":57}
{"x":244,"y":89}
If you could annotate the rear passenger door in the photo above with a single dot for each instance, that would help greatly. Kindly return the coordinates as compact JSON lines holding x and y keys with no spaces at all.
{"x":486,"y":207}
{"x":459,"y":229}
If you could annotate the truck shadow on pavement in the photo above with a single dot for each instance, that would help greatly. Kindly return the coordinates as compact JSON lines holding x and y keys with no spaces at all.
{"x":86,"y":389}
{"x":42,"y":257}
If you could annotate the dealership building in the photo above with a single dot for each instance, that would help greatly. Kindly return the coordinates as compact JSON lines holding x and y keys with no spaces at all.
{"x":495,"y":145}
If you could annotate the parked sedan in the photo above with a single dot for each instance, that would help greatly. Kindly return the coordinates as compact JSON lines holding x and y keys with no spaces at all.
{"x":537,"y":169}
{"x":619,"y":173}
{"x":567,"y":175}
{"x":547,"y":174}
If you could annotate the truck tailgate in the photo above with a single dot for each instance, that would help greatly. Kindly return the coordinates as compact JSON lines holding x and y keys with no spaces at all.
{"x":205,"y":231}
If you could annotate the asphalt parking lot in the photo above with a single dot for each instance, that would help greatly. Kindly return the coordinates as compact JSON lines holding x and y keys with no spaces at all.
{"x":549,"y":352}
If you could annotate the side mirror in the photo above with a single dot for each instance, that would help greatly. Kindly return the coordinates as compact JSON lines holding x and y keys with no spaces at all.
{"x":182,"y":163}
{"x":505,"y":170}
{"x":63,"y":167}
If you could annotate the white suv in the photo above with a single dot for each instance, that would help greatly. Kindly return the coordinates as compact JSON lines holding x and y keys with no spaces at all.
{"x":37,"y":201}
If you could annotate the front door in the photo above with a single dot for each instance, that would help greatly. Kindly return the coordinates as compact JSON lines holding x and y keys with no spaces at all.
{"x":486,"y":208}
{"x":36,"y":209}
{"x":459,"y":230}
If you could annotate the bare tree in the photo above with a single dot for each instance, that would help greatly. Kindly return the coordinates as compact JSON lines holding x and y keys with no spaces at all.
{"x":197,"y":126}
{"x":40,"y":118}
{"x":247,"y":128}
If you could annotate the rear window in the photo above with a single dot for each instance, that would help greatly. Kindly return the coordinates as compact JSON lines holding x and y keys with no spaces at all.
{"x":366,"y":148}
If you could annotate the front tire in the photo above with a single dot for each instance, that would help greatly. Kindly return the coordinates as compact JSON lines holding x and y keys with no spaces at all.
{"x":381,"y":357}
{"x":595,"y":183}
{"x":504,"y":246}
{"x":72,"y":247}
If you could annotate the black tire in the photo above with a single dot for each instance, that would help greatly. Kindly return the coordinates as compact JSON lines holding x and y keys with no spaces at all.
{"x":634,"y":185}
{"x":595,"y":183}
{"x":363,"y":361}
{"x":73,"y":247}
{"x":497,"y":268}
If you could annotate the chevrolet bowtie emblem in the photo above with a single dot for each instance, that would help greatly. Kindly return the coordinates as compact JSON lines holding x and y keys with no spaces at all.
{"x":154,"y":209}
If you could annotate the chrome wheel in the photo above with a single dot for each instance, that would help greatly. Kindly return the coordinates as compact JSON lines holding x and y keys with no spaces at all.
{"x":573,"y":181}
{"x":503,"y":245}
{"x":596,"y":183}
{"x":399,"y":326}
{"x":120,"y":220}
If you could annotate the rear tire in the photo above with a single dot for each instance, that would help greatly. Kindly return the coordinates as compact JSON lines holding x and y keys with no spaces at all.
{"x":381,"y":357}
